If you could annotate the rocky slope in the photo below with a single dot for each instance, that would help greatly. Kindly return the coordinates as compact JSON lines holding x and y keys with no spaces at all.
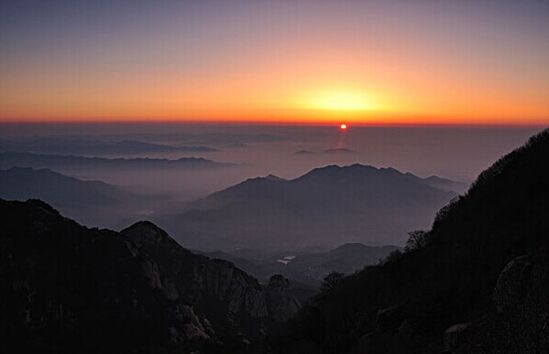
{"x":66,"y":288}
{"x":478,"y":282}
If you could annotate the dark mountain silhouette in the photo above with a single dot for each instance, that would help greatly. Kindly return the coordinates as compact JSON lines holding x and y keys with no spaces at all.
{"x":477,"y":282}
{"x":323,"y":208}
{"x":90,"y":202}
{"x":89,"y":147}
{"x":73,"y":289}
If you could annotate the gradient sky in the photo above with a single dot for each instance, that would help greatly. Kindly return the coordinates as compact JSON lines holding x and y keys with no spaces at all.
{"x":430,"y":61}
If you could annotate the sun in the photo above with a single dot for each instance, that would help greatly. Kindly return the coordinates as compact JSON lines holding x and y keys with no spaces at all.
{"x":343,"y":126}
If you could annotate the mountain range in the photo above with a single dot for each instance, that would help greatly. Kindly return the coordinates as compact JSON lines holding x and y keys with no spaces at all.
{"x":90,"y":202}
{"x":324,"y":208}
{"x":92,"y":147}
{"x":64,"y":163}
{"x":182,"y":179}
{"x":476,"y":282}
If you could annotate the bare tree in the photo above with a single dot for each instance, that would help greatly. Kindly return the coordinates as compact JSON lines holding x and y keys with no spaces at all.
{"x":417,"y":239}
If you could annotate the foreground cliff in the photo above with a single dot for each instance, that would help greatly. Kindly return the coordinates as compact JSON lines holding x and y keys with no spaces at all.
{"x":66,"y":288}
{"x":477,"y":282}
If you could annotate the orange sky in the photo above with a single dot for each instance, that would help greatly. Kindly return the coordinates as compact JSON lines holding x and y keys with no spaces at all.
{"x":326,"y":63}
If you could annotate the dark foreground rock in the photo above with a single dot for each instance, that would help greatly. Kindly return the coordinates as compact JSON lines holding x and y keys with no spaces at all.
{"x":66,"y":289}
{"x":477,"y":283}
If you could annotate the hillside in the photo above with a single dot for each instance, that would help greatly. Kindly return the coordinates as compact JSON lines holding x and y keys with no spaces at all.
{"x":322,"y":209}
{"x":73,"y":289}
{"x":477,"y":282}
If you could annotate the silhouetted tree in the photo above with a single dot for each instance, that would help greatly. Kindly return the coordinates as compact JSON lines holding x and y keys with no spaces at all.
{"x":417,"y":239}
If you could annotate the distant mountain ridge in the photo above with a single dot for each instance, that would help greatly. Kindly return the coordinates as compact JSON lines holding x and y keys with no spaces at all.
{"x":88,"y":147}
{"x":446,"y":184}
{"x":25,"y":182}
{"x":90,"y":202}
{"x":185,"y":178}
{"x":57,"y":162}
{"x":357,"y":203}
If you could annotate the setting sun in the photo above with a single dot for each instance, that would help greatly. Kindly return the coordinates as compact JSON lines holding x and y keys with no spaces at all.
{"x":343,"y":126}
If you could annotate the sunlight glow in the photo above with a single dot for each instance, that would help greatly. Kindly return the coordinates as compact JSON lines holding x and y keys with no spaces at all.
{"x":340,"y":100}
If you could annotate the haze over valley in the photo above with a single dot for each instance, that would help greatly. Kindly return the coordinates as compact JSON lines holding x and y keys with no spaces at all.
{"x":207,"y":185}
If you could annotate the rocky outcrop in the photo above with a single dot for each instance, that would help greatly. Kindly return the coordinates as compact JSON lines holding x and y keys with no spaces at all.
{"x":521,"y":297}
{"x":453,"y":336}
{"x":395,"y":332}
{"x":390,"y":317}
{"x":281,"y":303}
{"x":207,"y":284}
{"x":512,"y":285}
{"x":520,"y":320}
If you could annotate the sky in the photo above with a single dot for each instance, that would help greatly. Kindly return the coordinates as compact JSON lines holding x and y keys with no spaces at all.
{"x":379,"y":62}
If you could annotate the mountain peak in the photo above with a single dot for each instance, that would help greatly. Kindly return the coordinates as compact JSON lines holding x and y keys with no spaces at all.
{"x":146,"y":233}
{"x":44,"y":206}
{"x":272,"y":177}
{"x":348,"y":170}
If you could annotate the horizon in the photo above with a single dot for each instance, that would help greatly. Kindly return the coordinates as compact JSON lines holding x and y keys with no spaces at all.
{"x":283,"y":123}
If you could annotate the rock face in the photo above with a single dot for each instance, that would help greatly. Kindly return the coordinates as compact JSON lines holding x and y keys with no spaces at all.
{"x":521,"y":297}
{"x":519,"y":322}
{"x":281,"y":303}
{"x":66,"y":288}
{"x":453,"y":335}
{"x":207,"y":284}
{"x":512,"y":284}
